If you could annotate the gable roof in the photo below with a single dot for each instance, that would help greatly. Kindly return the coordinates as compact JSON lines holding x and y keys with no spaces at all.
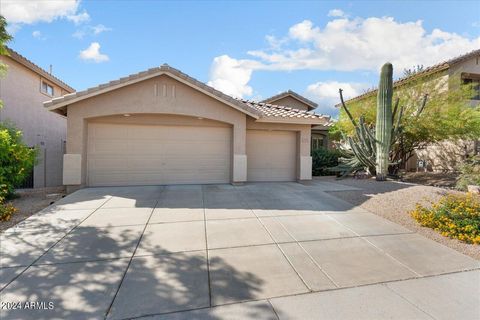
{"x":60,"y":103}
{"x":260,"y":111}
{"x":444,"y":65}
{"x":32,"y":66}
{"x":294,"y":95}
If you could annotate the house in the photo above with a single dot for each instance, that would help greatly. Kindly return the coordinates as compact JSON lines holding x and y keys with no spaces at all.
{"x":23,"y":90}
{"x":445,"y":155}
{"x":293,"y":100}
{"x":161,"y":127}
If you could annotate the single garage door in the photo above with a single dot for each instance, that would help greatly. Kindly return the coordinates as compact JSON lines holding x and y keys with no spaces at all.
{"x":120,"y":154}
{"x":271,"y":155}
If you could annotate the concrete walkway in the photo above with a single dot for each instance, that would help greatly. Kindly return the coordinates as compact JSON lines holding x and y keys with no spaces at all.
{"x":258,"y":251}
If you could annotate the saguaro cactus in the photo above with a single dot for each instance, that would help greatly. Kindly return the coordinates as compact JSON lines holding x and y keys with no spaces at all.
{"x":383,"y":126}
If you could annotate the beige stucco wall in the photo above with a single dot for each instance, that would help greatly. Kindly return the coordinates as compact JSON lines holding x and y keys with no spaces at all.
{"x":23,"y":105}
{"x":291,"y":102}
{"x":165,"y":101}
{"x":160,"y":95}
{"x":445,"y":156}
{"x":471,"y":65}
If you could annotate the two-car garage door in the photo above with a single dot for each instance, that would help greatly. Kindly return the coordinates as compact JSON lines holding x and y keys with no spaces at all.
{"x":120,"y":154}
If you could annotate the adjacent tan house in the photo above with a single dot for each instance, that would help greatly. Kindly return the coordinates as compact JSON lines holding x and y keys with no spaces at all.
{"x":292,"y":99}
{"x":161,"y":126}
{"x":445,"y":155}
{"x":23,"y":90}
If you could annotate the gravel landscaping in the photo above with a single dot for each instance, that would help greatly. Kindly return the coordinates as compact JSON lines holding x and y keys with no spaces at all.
{"x":394,"y":200}
{"x":30,"y":201}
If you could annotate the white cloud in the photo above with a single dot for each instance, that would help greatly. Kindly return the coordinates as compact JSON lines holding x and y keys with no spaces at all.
{"x":79,"y":18}
{"x":231,"y":76}
{"x":38,"y":35}
{"x":95,"y":30}
{"x":99,"y":28}
{"x":336,"y":13}
{"x":92,"y":53}
{"x":327,"y":96}
{"x":343,"y":44}
{"x":363,"y":44}
{"x":33,"y":11}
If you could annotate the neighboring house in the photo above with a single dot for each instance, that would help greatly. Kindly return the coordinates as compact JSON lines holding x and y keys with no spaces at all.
{"x":445,"y":155}
{"x":161,"y":126}
{"x":23,"y":90}
{"x":293,"y":100}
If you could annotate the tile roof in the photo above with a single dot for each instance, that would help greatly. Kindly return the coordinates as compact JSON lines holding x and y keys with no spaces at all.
{"x":293,"y":94}
{"x":150,"y":73}
{"x":275,"y":111}
{"x":32,"y":66}
{"x":444,"y":65}
{"x":255,"y":109}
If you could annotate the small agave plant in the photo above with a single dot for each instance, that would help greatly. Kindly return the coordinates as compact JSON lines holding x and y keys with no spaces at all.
{"x":370,"y":146}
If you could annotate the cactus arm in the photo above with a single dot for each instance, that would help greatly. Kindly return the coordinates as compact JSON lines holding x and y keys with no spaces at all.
{"x":397,"y":101}
{"x":422,"y":106}
{"x":346,"y":109}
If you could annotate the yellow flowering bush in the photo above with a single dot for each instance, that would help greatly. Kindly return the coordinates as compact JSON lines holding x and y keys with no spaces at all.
{"x":454,"y":216}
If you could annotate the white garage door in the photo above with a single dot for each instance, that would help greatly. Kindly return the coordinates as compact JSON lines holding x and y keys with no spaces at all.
{"x":271,"y":155}
{"x":121,"y":154}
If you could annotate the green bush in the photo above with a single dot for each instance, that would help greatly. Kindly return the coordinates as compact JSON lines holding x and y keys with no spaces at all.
{"x":16,"y":160}
{"x":469,"y":173}
{"x":322,"y":159}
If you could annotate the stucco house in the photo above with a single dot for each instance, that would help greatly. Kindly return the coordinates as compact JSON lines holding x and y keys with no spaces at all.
{"x":445,"y":155}
{"x":23,"y":90}
{"x":294,"y":100}
{"x":161,"y":126}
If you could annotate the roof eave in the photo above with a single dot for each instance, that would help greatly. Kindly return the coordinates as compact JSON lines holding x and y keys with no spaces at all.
{"x":294,"y":95}
{"x":12,"y":54}
{"x":52,"y":105}
{"x":318,"y":121}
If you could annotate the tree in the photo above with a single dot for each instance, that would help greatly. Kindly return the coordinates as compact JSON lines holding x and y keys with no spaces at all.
{"x":447,"y":115}
{"x":4,"y":38}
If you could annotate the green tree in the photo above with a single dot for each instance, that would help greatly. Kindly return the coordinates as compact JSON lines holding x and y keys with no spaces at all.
{"x":4,"y":38}
{"x":448,"y":114}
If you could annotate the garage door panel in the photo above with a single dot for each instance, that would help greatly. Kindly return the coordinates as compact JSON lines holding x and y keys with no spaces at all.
{"x":271,"y":155}
{"x":165,"y":154}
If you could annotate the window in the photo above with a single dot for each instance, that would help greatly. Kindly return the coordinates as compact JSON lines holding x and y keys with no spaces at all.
{"x":317,"y":141}
{"x":46,"y":88}
{"x":473,"y":83}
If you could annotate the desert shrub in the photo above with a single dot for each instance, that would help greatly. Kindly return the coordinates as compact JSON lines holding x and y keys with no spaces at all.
{"x":6,"y":211}
{"x":16,"y":159}
{"x":454,"y":216}
{"x":469,"y":173}
{"x":322,"y":159}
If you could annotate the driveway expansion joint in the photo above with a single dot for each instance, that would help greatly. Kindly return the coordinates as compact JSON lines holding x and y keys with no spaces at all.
{"x":129,"y":263}
{"x":50,"y":247}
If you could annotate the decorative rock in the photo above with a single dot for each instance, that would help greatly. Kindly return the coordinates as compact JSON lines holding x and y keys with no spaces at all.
{"x":473,"y":189}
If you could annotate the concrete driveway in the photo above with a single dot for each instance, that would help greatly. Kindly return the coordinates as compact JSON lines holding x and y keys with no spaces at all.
{"x":259,"y":251}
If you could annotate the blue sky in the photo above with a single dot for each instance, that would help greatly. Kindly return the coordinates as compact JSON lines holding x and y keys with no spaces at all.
{"x":253,"y":49}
